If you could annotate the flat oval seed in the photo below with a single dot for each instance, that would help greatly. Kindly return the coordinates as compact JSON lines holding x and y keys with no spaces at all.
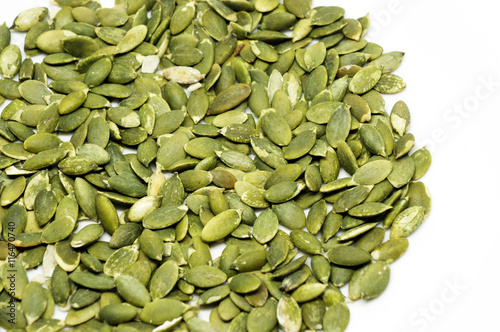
{"x":29,"y":18}
{"x":13,"y":191}
{"x":306,"y":242}
{"x":260,"y":318}
{"x":308,"y":292}
{"x":132,"y":39}
{"x":45,"y":206}
{"x":422,"y":159}
{"x":300,"y":145}
{"x":290,"y":215}
{"x":72,"y":101}
{"x":372,"y":172}
{"x":365,"y":79}
{"x":160,"y":311}
{"x":221,"y":225}
{"x":348,"y":256}
{"x":34,"y":302}
{"x":370,"y":281}
{"x":275,"y":127}
{"x":164,"y":216}
{"x":373,"y":140}
{"x":283,"y":191}
{"x":205,"y":276}
{"x":265,"y":226}
{"x":51,"y":41}
{"x":407,"y":222}
{"x":229,"y":98}
{"x":98,"y":72}
{"x":350,"y":198}
{"x":403,"y":170}
{"x":370,"y":209}
{"x":388,"y":61}
{"x":390,"y":83}
{"x":338,"y":126}
{"x":336,"y":318}
{"x":106,"y":213}
{"x":391,"y":250}
{"x":164,"y":279}
{"x":289,"y":314}
{"x":400,"y":117}
{"x":34,"y":91}
{"x":117,"y":313}
{"x":314,"y":56}
{"x":244,"y":283}
{"x":10,"y":61}
{"x":182,"y":17}
{"x":132,"y":290}
{"x":237,"y":160}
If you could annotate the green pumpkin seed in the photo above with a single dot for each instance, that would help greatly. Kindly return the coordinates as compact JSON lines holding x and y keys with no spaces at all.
{"x":29,"y":18}
{"x":422,"y":160}
{"x":250,"y":261}
{"x":117,"y":313}
{"x":132,"y":290}
{"x":403,"y":170}
{"x":106,"y":213}
{"x":265,"y":226}
{"x":51,"y":41}
{"x":388,"y":61}
{"x":164,"y":279}
{"x":371,"y":239}
{"x":338,"y":126}
{"x":164,"y":216}
{"x":348,"y":256}
{"x":10,"y":59}
{"x":221,"y":225}
{"x":132,"y":39}
{"x":244,"y":283}
{"x":87,"y":235}
{"x":336,"y":318}
{"x":365,"y":79}
{"x":289,"y":314}
{"x":205,"y":276}
{"x":390,"y":83}
{"x":407,"y":222}
{"x":306,"y":242}
{"x":391,"y":250}
{"x":161,"y":310}
{"x":308,"y":292}
{"x":400,"y":117}
{"x":76,"y":317}
{"x":369,"y":282}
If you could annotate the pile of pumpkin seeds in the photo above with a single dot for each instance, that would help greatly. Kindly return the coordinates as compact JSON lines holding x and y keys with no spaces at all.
{"x":204,"y":122}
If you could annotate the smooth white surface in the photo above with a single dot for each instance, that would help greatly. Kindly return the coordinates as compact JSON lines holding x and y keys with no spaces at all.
{"x":447,"y":280}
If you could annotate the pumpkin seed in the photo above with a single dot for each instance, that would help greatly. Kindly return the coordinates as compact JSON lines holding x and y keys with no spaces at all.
{"x":369,"y":281}
{"x":289,"y":314}
{"x":336,"y":318}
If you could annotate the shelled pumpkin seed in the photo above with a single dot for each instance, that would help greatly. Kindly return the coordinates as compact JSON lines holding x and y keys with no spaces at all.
{"x":165,"y":158}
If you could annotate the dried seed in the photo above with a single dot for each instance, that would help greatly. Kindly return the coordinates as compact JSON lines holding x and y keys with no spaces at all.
{"x":289,"y":315}
{"x":348,"y":256}
{"x":336,"y":318}
{"x":369,"y":281}
{"x":407,"y":222}
{"x":205,"y":276}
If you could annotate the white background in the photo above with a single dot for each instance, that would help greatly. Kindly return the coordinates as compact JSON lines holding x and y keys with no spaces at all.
{"x":448,"y":278}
